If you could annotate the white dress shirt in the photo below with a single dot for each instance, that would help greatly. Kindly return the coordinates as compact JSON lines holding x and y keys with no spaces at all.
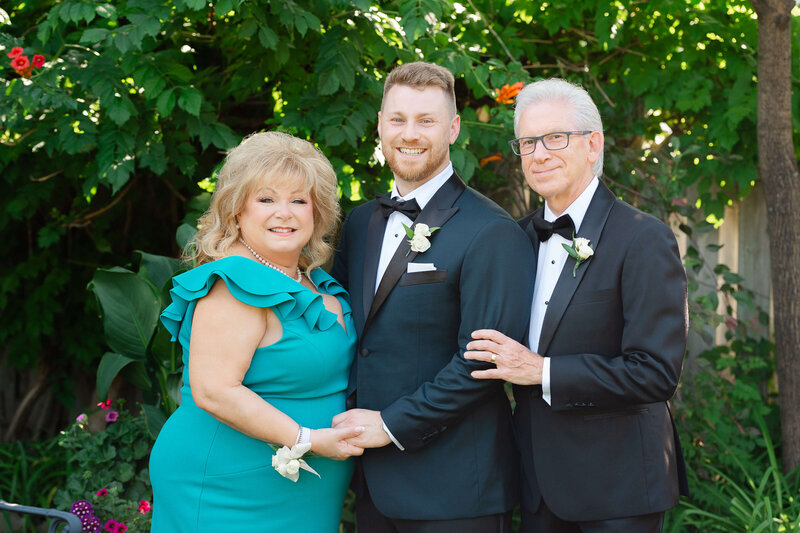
{"x":551,"y":261}
{"x":395,"y":233}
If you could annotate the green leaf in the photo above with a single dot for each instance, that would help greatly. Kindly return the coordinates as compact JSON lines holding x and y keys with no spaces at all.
{"x":267,"y":37}
{"x":572,"y":253}
{"x":184,"y":234}
{"x":110,"y":366}
{"x":159,"y":269}
{"x":93,"y":35}
{"x":154,"y":418}
{"x":166,"y":102}
{"x":130,"y":308}
{"x":196,"y":5}
{"x":190,"y":101}
{"x":409,"y":231}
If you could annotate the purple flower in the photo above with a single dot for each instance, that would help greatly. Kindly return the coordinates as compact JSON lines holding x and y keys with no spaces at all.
{"x":101,"y":492}
{"x":81,"y":418}
{"x":91,"y":524}
{"x":111,"y":526}
{"x":81,"y":508}
{"x":112,"y":416}
{"x":121,"y":528}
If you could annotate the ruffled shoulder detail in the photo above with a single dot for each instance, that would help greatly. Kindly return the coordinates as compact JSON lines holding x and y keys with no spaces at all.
{"x":254,"y":284}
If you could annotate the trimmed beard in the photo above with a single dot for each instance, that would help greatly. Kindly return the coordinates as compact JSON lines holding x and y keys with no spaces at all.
{"x":413,"y":175}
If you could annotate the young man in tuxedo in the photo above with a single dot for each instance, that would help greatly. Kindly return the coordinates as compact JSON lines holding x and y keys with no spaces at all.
{"x":606,"y":340}
{"x":442,"y":456}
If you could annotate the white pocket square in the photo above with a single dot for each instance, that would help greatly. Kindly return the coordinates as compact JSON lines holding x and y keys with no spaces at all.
{"x":420,"y":267}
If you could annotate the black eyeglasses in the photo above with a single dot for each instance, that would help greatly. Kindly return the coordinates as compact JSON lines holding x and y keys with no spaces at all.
{"x":557,"y":140}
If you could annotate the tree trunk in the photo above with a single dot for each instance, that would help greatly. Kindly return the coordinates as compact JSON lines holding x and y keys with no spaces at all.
{"x":778,"y":170}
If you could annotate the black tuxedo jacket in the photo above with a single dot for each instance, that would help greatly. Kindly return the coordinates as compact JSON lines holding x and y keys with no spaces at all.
{"x":616,"y":335}
{"x":459,"y":459}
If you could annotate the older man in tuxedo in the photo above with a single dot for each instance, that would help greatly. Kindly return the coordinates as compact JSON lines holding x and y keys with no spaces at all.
{"x":606,"y":340}
{"x":442,"y":458}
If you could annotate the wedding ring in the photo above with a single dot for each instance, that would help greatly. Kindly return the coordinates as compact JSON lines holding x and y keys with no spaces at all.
{"x":494,"y":358}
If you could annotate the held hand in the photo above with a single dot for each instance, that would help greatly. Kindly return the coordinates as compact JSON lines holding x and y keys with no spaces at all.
{"x":335,"y":442}
{"x":373,"y":435}
{"x":515,"y":363}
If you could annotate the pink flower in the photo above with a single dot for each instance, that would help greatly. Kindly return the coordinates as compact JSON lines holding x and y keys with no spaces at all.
{"x":81,"y":418}
{"x":105,"y":405}
{"x":112,"y":416}
{"x":38,"y":60}
{"x":111,"y":526}
{"x":144,"y":506}
{"x":20,"y":63}
{"x":15,"y":52}
{"x":121,"y":528}
{"x":102,"y":492}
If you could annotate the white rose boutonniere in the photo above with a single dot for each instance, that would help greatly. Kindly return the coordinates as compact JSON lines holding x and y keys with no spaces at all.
{"x":418,"y":237}
{"x":580,"y":249}
{"x":289,"y":461}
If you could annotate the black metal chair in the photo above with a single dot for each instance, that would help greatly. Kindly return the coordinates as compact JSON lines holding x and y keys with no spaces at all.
{"x":73,"y":523}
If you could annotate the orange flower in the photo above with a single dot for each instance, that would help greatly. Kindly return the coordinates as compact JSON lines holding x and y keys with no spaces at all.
{"x":508,"y":92}
{"x":495,"y":157}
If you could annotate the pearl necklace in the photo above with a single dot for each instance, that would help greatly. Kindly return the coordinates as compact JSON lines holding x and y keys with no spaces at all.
{"x":274,"y":267}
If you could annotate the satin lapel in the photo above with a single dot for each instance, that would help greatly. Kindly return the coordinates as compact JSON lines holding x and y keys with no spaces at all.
{"x":372,"y":252}
{"x":591,"y":228}
{"x":435,"y":214}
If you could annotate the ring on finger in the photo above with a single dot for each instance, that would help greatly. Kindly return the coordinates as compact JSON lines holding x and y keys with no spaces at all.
{"x":493,"y":358}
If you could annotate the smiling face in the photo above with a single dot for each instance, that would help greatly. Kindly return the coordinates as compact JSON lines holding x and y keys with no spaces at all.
{"x":277,"y":221}
{"x":416,"y":129}
{"x":560,"y":176}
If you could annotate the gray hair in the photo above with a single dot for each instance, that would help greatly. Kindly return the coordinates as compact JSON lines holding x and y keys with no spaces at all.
{"x":585,"y":113}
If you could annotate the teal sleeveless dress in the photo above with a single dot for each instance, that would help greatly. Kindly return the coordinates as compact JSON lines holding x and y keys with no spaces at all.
{"x":208,"y":477}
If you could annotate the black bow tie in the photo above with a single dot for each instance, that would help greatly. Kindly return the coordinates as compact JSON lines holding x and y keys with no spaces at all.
{"x":409,"y":208}
{"x":563,"y":225}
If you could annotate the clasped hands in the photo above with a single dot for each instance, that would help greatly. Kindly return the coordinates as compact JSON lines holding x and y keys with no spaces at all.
{"x":350,"y":433}
{"x":514,"y":362}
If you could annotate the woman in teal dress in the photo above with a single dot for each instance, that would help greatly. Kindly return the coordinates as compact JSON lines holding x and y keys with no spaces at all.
{"x":267,"y":342}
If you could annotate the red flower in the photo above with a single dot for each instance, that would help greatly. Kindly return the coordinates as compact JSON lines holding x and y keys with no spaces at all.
{"x":15,"y":52}
{"x":144,"y":506}
{"x":38,"y":60}
{"x":105,"y":405}
{"x":101,"y":492}
{"x":111,"y":526}
{"x":507,"y":93}
{"x":20,"y":63}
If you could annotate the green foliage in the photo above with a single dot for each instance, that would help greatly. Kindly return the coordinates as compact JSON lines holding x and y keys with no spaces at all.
{"x":114,"y":458}
{"x":30,"y":474}
{"x":131,"y":303}
{"x":104,"y":146}
{"x":743,"y":500}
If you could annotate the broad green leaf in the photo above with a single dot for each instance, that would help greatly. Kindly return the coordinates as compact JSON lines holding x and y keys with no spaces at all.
{"x":130,"y":309}
{"x":110,"y":366}
{"x":184,"y":234}
{"x":154,"y":418}
{"x":267,"y":37}
{"x":159,"y":269}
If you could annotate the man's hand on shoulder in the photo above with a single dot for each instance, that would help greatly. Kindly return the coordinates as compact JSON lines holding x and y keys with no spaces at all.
{"x":514,"y":362}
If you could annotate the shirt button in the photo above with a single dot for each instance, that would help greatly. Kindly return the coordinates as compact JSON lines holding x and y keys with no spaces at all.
{"x":547,"y":302}
{"x":553,"y":262}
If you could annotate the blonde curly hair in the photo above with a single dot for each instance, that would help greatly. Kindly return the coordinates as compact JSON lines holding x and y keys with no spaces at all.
{"x":266,"y":159}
